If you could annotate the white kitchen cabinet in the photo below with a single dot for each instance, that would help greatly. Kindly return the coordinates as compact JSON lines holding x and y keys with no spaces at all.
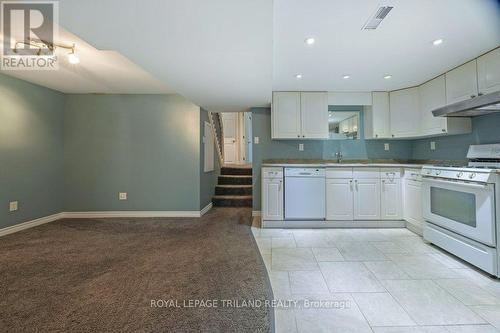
{"x":432,"y":96}
{"x":339,"y":199}
{"x":488,"y":72}
{"x":404,"y":113}
{"x":377,"y":117}
{"x":366,"y":199}
{"x":286,"y":122}
{"x":272,"y":194}
{"x":314,"y":115}
{"x":461,"y":83}
{"x":391,"y":203}
{"x":300,"y":115}
{"x":412,"y":199}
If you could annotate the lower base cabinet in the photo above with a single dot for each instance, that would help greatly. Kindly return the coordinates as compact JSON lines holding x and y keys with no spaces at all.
{"x":272,"y":194}
{"x":413,"y":203}
{"x":367,"y":199}
{"x":339,"y":199}
{"x":391,"y":205}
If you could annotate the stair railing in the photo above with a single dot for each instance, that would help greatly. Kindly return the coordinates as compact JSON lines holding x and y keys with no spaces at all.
{"x":218,"y":131}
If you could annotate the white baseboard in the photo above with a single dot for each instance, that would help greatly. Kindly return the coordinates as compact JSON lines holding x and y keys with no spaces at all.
{"x":256,"y":213}
{"x":333,"y":224}
{"x":30,"y":224}
{"x":205,"y":209}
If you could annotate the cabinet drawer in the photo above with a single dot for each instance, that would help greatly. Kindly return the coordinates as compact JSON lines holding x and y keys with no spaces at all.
{"x":366,"y":173}
{"x":413,"y":174}
{"x":391,"y":173}
{"x":272,"y":172}
{"x":339,"y":173}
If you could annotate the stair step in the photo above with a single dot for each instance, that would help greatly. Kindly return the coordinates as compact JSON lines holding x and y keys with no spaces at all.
{"x":235,"y":180}
{"x":233,"y":190}
{"x":234,"y":170}
{"x":232,"y":200}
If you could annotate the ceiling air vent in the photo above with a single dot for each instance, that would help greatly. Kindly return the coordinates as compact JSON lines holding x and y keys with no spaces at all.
{"x":376,"y":19}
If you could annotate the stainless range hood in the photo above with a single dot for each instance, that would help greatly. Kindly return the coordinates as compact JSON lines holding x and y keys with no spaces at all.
{"x":476,"y":106}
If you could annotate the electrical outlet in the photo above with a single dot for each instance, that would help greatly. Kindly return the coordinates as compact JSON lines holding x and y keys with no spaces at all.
{"x":122,"y":196}
{"x":256,"y":140}
{"x":13,"y":206}
{"x":301,"y":147}
{"x":386,"y":146}
{"x":433,"y":145}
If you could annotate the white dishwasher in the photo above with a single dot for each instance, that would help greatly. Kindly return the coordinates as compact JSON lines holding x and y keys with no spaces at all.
{"x":305,"y":194}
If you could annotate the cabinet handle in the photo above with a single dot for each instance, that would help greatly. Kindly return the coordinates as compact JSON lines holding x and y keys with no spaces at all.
{"x":298,"y":136}
{"x":383,"y":185}
{"x":376,"y":135}
{"x":393,"y":135}
{"x":472,"y":96}
{"x":443,"y":130}
{"x":480,"y":94}
{"x":303,"y":136}
{"x":279,"y":188}
{"x":350,"y":185}
{"x":356,"y":183}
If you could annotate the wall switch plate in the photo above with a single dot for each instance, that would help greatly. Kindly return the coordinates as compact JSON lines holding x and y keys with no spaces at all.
{"x":386,"y":146}
{"x":433,"y":145}
{"x":13,"y":206}
{"x":301,"y":147}
{"x":256,"y":140}
{"x":122,"y":196}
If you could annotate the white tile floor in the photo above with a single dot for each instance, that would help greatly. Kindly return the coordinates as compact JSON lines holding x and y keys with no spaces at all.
{"x":374,"y":280}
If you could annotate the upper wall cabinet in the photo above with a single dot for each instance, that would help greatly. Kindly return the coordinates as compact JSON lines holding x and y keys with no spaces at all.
{"x":377,"y":117}
{"x":461,"y":83}
{"x":404,"y":113}
{"x":300,"y":115}
{"x":432,"y":96}
{"x":488,"y":72}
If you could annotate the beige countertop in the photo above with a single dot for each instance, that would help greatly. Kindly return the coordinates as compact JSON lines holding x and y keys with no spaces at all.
{"x":353,"y":163}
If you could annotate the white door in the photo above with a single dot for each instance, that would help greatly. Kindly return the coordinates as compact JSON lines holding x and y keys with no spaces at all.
{"x":286,"y":115}
{"x":488,"y":72}
{"x":314,"y":115}
{"x":367,"y":199}
{"x":248,"y":136}
{"x":432,"y":96}
{"x":272,"y":199}
{"x":390,"y":199}
{"x":413,"y":203}
{"x":461,"y":83}
{"x":380,"y":115}
{"x":339,"y":199}
{"x":404,"y":113}
{"x":230,"y":129}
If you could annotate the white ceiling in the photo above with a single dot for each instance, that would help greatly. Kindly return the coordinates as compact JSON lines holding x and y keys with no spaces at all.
{"x":228,"y":55}
{"x":216,"y":53}
{"x":401,"y":46}
{"x":98,"y":72}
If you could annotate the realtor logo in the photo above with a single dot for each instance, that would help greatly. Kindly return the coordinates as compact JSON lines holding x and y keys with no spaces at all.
{"x":28,"y":35}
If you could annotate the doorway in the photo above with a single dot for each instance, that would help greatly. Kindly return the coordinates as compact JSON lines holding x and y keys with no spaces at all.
{"x":237,"y":130}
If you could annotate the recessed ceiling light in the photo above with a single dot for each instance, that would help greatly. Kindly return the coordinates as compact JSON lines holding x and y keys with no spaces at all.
{"x":298,"y":76}
{"x":346,"y":76}
{"x":437,"y":41}
{"x":387,"y":77}
{"x":310,"y":41}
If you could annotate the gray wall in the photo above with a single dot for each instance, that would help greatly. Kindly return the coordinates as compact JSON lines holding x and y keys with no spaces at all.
{"x":31,"y":150}
{"x":208,"y":180}
{"x":146,"y":145}
{"x":314,"y":149}
{"x":485,"y":129}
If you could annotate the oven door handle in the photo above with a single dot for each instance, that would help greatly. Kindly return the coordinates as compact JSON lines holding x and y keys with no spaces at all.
{"x":452,"y":182}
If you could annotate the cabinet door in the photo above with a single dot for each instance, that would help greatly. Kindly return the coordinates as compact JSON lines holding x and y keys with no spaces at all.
{"x":413,"y":202}
{"x":314,"y":115}
{"x":432,"y":96}
{"x":391,"y":202}
{"x":367,"y":199}
{"x":461,"y":83}
{"x":380,"y":114}
{"x":488,"y":72}
{"x":339,"y":199}
{"x":404,"y":113}
{"x":272,"y":199}
{"x":286,"y":115}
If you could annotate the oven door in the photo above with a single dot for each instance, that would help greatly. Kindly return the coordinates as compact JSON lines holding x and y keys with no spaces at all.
{"x":465,"y":208}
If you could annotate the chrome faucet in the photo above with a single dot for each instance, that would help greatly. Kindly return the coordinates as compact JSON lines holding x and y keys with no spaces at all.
{"x":339,"y":156}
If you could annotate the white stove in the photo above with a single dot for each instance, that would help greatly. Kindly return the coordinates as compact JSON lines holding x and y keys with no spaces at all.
{"x":461,"y":206}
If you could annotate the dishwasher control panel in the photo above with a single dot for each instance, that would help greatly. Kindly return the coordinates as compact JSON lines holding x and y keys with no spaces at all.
{"x":305,"y":172}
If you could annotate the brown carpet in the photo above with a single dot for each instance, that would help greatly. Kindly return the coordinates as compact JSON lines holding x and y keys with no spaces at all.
{"x":100,"y":275}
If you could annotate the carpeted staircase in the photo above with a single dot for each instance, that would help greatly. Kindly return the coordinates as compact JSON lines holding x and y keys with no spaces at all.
{"x":235,"y":187}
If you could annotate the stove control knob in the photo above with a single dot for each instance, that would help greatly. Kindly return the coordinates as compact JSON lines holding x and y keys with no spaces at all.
{"x":429,"y":172}
{"x":438,"y":172}
{"x":472,"y":175}
{"x":460,"y":174}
